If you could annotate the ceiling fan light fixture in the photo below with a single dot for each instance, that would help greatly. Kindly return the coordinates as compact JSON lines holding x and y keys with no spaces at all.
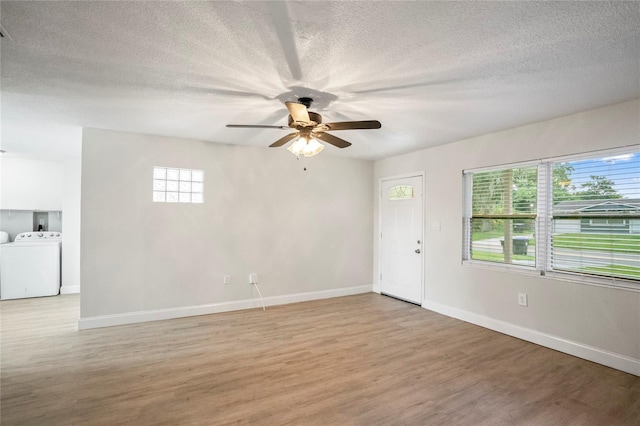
{"x":297,"y":146}
{"x":306,"y":147}
{"x":312,"y":148}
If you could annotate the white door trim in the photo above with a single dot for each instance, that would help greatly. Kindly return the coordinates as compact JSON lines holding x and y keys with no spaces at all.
{"x":420,"y":174}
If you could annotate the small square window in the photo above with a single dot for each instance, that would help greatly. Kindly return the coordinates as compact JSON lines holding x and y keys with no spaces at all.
{"x":173,"y":174}
{"x":159,"y":185}
{"x":159,"y":197}
{"x":160,"y":173}
{"x":171,"y":185}
{"x":172,"y":197}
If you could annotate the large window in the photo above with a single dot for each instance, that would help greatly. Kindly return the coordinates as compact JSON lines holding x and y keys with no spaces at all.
{"x":572,"y":215}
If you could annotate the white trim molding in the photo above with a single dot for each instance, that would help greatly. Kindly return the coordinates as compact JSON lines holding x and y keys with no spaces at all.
{"x":590,"y":353}
{"x":213,"y":308}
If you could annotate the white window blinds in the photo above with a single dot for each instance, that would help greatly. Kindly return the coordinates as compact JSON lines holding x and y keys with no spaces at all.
{"x":578,"y":215}
{"x":503,"y":213}
{"x":596,"y":216}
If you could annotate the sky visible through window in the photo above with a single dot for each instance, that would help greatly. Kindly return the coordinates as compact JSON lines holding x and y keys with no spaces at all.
{"x":623,"y":170}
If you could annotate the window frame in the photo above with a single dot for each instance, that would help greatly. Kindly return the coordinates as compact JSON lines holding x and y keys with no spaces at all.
{"x":543,"y":223}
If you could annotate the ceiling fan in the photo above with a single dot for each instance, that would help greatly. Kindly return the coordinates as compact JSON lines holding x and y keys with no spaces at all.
{"x":309,"y":128}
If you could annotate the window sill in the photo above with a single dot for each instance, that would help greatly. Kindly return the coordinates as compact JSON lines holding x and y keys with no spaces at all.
{"x":526,"y":270}
{"x":614,"y":283}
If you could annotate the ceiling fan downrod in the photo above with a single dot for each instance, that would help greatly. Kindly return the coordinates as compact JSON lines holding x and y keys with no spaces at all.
{"x":305,"y":101}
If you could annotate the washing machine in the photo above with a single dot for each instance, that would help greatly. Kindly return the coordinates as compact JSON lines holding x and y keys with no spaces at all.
{"x":30,"y":265}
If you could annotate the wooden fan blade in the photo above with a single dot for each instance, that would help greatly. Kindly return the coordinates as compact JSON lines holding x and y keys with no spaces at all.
{"x":283,"y":140}
{"x":256,"y":126}
{"x":298,"y":112}
{"x":333,"y":140}
{"x":349,"y":125}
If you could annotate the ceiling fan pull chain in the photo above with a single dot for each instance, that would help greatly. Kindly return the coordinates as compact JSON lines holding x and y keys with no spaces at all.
{"x":303,"y":158}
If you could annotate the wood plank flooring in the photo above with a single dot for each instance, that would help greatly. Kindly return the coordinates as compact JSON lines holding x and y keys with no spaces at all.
{"x":357,"y":360}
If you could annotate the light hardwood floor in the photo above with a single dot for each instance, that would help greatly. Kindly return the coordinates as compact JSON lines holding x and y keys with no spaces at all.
{"x":357,"y":360}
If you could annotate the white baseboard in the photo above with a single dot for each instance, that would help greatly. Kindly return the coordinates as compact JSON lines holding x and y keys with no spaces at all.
{"x":600,"y":356}
{"x":213,"y":308}
{"x":70,"y":289}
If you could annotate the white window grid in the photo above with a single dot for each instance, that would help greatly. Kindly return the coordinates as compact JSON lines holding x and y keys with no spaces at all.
{"x":175,"y":185}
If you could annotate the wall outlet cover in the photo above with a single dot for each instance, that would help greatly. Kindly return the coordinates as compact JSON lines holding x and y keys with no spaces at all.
{"x":522,"y":299}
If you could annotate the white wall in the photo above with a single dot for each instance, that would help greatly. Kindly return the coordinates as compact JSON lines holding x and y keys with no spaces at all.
{"x":71,"y":227}
{"x":16,"y":221}
{"x":31,"y":184}
{"x":301,"y":232}
{"x":598,"y":323}
{"x":54,"y":221}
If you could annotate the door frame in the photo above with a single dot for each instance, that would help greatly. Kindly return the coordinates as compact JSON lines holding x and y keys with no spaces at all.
{"x":421,"y":175}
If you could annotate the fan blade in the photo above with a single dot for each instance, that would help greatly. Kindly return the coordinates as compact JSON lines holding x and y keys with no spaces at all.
{"x":283,"y":140}
{"x":298,"y":112}
{"x":349,"y":125}
{"x":256,"y":126}
{"x":333,"y":140}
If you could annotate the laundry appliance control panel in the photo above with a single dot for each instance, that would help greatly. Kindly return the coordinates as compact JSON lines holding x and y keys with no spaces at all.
{"x":39,"y":236}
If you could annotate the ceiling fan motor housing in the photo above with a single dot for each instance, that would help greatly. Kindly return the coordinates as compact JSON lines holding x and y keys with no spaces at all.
{"x":315,"y":117}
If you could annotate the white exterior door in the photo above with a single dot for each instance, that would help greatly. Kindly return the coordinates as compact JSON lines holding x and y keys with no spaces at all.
{"x":401,"y":238}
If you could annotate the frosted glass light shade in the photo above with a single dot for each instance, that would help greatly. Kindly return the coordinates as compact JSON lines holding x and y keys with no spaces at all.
{"x":307,"y":148}
{"x":312,"y":148}
{"x":297,"y":146}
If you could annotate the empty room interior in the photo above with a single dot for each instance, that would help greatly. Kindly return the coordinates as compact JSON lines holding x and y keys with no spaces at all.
{"x":320,"y":213}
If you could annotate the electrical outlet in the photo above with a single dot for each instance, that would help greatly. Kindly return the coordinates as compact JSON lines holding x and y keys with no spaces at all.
{"x":253,"y":278}
{"x":522,"y":299}
{"x":227,"y":279}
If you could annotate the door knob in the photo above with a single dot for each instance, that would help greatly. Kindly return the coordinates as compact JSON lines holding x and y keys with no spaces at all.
{"x":418,"y":251}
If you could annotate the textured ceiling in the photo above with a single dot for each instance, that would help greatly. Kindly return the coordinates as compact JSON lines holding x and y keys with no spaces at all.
{"x":431,"y":72}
